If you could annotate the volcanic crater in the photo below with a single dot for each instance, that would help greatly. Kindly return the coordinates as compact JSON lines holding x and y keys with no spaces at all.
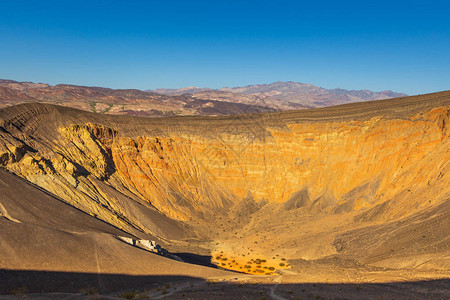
{"x":349,"y":194}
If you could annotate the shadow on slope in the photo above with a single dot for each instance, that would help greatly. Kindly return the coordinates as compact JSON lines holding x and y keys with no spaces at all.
{"x":24,"y":281}
{"x":197,"y":259}
{"x":177,"y":287}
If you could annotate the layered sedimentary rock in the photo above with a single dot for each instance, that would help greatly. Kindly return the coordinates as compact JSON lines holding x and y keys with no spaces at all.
{"x":341,"y":165}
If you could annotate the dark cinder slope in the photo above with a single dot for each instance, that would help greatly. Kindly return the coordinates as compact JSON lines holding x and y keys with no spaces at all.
{"x":39,"y":232}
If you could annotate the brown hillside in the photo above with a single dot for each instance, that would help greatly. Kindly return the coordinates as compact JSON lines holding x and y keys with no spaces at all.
{"x":120,"y":101}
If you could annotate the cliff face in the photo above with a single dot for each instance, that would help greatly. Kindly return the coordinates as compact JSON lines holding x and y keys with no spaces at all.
{"x":380,"y":161}
{"x":339,"y":166}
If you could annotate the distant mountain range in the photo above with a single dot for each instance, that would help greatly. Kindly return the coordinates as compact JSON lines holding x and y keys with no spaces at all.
{"x":118,"y":101}
{"x":185,"y":101}
{"x":283,"y":95}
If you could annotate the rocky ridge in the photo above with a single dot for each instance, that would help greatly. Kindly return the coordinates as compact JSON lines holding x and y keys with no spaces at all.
{"x":284,"y":95}
{"x":118,"y":101}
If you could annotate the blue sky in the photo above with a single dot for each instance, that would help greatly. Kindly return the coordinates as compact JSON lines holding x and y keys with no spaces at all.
{"x":398,"y":45}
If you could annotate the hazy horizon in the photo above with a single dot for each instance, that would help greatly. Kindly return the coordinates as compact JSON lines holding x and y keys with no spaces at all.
{"x":199,"y":87}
